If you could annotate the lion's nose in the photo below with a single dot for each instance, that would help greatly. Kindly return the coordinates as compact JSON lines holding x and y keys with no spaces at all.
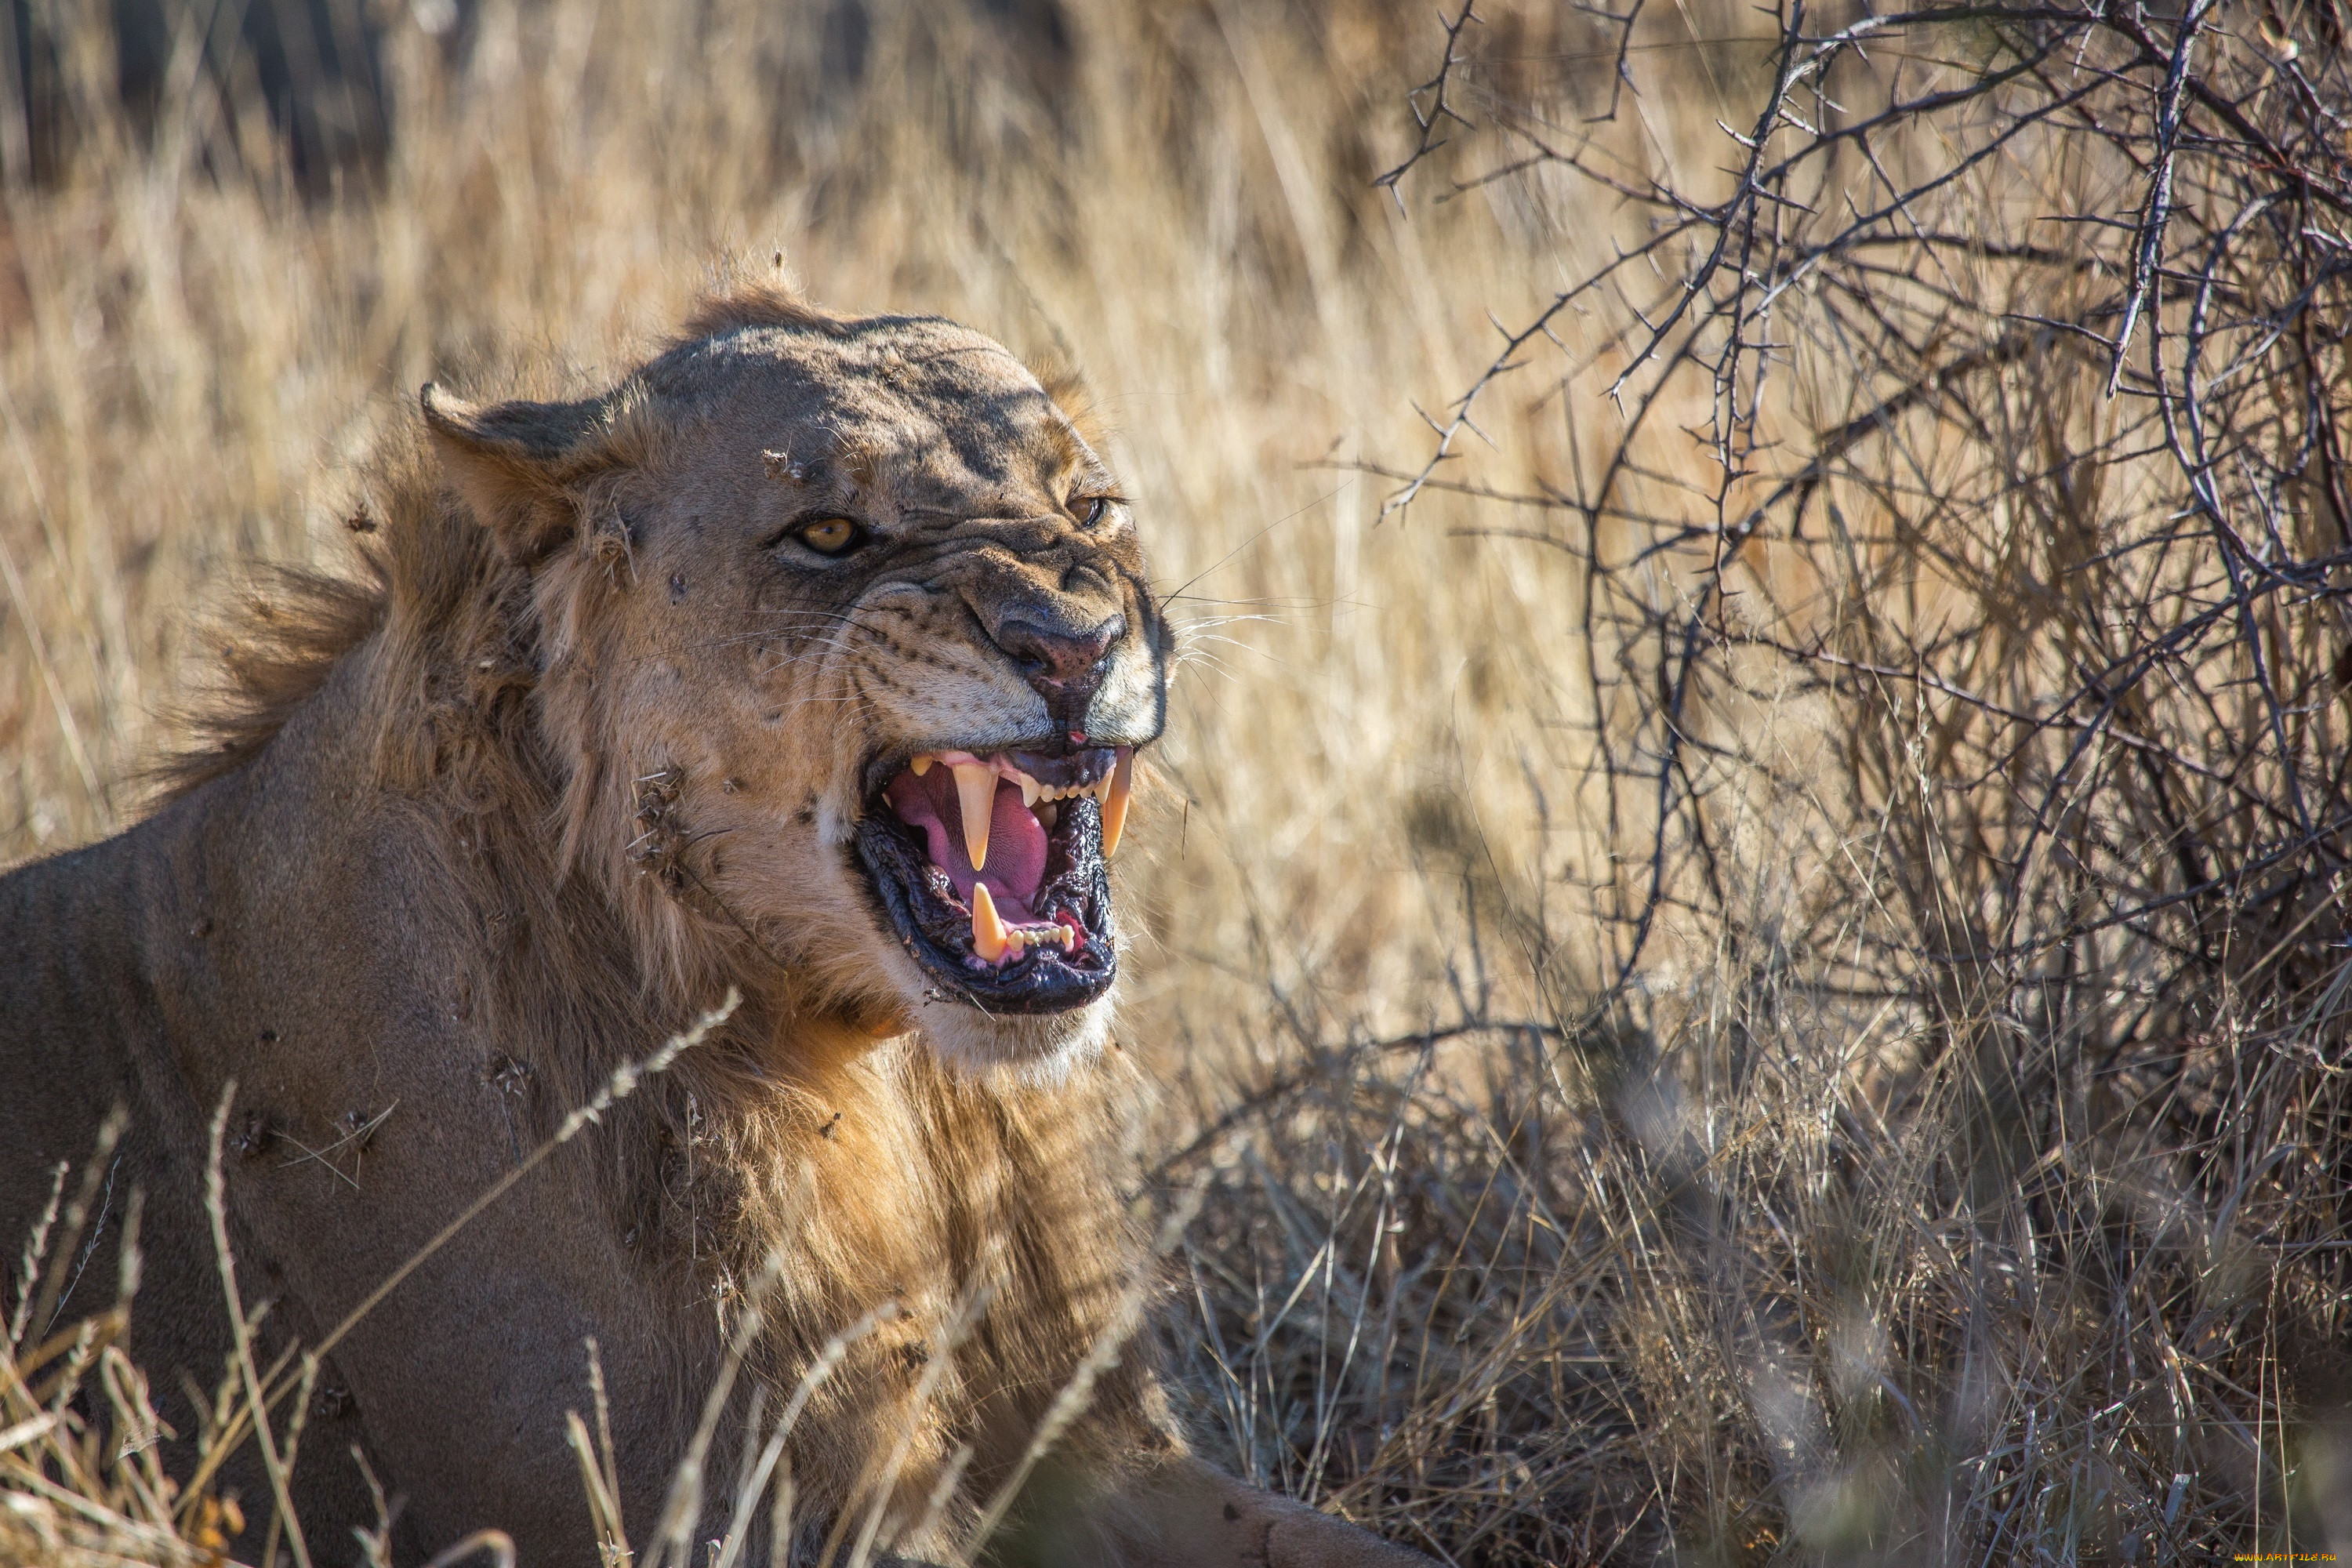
{"x":1061,"y":665}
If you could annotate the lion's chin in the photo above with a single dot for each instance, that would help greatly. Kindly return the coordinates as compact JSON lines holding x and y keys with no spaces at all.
{"x":1040,"y":1048}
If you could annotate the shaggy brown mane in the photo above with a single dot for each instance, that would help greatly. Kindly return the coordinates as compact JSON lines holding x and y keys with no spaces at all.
{"x":273,"y":651}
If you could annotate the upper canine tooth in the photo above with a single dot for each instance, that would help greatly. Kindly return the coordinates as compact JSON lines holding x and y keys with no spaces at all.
{"x":976,"y":788}
{"x":920,"y":765}
{"x":1114,"y":806}
{"x":989,"y":937}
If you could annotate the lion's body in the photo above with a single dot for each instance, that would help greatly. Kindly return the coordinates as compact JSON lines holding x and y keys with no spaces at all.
{"x":419,"y":900}
{"x":228,"y":937}
{"x":195,"y":949}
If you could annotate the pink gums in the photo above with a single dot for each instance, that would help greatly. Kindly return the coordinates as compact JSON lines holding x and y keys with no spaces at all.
{"x":1016,"y":840}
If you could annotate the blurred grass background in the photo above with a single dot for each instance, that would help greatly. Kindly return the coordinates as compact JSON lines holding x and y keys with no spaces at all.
{"x":1513,"y":1277}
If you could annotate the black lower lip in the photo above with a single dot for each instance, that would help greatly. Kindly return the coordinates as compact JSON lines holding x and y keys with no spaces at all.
{"x":936,"y":934}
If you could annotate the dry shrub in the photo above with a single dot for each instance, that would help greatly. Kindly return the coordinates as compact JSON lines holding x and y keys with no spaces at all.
{"x":1946,"y":1155}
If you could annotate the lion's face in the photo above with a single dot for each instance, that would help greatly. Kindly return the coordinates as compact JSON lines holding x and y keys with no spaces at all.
{"x":847,"y":629}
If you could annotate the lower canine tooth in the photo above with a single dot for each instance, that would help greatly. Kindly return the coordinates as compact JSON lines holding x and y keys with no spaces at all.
{"x":989,"y":937}
{"x":1120,"y":784}
{"x":976,"y":789}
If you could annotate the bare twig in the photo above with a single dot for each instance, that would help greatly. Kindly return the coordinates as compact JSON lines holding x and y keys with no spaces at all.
{"x":1432,"y":119}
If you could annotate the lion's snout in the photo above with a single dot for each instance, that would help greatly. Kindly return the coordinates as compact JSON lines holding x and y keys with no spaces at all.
{"x":1066,"y":639}
{"x":1062,"y":665}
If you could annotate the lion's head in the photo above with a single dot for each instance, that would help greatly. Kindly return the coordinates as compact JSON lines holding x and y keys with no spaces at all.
{"x":842,"y":635}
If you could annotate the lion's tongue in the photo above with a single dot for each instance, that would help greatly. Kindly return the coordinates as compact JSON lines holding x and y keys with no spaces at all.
{"x":1016,"y":840}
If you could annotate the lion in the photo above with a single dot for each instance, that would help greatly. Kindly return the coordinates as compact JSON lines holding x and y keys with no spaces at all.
{"x":809,"y":663}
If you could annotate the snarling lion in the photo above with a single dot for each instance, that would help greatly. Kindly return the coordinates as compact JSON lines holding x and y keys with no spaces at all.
{"x":810,"y":662}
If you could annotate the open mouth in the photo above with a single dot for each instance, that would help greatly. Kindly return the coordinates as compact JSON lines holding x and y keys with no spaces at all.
{"x":992,"y":869}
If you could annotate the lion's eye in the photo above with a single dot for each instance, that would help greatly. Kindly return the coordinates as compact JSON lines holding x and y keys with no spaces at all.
{"x":831,"y":535}
{"x":1092,"y":509}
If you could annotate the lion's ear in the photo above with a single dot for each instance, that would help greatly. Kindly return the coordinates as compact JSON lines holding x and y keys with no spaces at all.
{"x":517,"y":464}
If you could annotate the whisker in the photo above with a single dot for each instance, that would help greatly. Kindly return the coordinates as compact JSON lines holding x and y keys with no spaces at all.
{"x":1185,"y":586}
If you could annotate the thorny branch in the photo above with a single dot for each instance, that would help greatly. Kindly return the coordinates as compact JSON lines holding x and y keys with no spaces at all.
{"x":1950,"y":464}
{"x":1433,"y":120}
{"x":2151,"y":682}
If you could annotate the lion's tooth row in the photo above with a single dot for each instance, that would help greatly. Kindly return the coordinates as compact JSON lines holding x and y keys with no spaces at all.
{"x":976,"y":793}
{"x":1019,"y":940}
{"x":994,"y":942}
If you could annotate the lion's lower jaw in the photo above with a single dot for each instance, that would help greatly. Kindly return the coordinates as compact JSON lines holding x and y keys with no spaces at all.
{"x":1042,"y":1048}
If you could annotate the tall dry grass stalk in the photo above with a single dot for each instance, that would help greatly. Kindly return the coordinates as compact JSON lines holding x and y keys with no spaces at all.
{"x":1711,"y":1024}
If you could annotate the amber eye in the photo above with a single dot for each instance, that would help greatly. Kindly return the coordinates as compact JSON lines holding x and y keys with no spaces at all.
{"x":1093,"y":510}
{"x":830,"y":535}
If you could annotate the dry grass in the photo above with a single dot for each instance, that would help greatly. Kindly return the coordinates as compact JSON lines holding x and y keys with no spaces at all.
{"x":1601,"y":1163}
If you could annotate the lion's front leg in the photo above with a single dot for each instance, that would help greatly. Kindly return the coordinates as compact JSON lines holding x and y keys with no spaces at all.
{"x":1185,"y":1514}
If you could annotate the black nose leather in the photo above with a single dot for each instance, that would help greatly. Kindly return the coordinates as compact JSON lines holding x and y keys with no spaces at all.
{"x":1064,"y":667}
